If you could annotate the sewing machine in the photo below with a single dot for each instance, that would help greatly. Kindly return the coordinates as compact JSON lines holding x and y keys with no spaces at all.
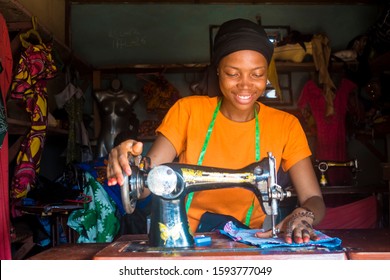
{"x":172,"y":182}
{"x":323,"y":166}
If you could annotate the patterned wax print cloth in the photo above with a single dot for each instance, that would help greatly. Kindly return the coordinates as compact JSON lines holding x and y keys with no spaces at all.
{"x":247,"y":236}
{"x":35,"y":67}
{"x":97,"y":222}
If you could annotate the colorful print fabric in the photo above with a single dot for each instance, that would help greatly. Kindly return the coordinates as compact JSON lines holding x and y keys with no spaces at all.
{"x":247,"y":236}
{"x":36,"y":66}
{"x":97,"y":222}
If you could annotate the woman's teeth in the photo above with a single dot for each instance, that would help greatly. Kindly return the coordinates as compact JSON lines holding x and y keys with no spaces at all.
{"x":244,"y":96}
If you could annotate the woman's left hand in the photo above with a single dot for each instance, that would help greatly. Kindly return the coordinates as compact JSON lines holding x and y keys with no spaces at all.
{"x":297,"y":227}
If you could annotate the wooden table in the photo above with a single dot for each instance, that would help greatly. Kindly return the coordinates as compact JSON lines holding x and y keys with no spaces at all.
{"x":357,"y":244}
{"x":364,"y":244}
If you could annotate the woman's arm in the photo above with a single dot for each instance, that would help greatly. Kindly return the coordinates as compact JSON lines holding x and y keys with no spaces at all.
{"x":307,"y":188}
{"x":162,"y":151}
{"x":298,"y":226}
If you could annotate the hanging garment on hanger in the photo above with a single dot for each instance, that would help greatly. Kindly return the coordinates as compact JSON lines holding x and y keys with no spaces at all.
{"x":321,"y":57}
{"x":331,"y":132}
{"x":72,"y":99}
{"x":35,"y":68}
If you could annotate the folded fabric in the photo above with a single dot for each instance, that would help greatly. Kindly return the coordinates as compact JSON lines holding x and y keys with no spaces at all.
{"x":247,"y":236}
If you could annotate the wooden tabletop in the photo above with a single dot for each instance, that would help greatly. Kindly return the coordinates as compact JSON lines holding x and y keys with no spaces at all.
{"x":84,"y":251}
{"x":222,"y":248}
{"x":357,"y":244}
{"x":364,"y":244}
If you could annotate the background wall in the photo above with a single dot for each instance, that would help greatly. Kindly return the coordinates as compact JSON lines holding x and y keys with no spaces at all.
{"x":116,"y":35}
{"x":107,"y":34}
{"x":121,"y":34}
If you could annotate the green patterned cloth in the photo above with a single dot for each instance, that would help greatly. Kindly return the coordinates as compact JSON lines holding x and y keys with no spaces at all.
{"x":97,"y":222}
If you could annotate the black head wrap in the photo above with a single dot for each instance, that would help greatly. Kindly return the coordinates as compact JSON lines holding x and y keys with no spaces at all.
{"x":234,"y":35}
{"x":241,"y":34}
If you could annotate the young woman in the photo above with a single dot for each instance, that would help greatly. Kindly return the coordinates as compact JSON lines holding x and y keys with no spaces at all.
{"x":229,"y":128}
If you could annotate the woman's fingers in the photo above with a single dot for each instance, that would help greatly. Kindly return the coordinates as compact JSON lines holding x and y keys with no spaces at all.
{"x":299,"y":228}
{"x":264,"y":234}
{"x":296,"y":228}
{"x":118,"y":161}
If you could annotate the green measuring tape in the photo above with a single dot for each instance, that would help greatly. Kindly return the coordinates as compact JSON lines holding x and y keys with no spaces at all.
{"x":204,"y":148}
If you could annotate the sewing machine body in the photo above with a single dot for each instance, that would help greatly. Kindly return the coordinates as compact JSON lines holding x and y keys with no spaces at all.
{"x":171,"y":183}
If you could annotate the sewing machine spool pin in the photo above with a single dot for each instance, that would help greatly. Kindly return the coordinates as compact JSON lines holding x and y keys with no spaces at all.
{"x":172,"y":182}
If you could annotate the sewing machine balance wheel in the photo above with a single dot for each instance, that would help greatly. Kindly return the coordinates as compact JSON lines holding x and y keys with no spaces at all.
{"x":132,"y":189}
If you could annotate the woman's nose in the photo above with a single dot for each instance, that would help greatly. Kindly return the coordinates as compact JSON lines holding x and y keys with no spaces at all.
{"x":245,"y":81}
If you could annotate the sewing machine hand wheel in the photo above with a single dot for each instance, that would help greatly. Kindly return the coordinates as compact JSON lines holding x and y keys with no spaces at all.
{"x":134,"y":185}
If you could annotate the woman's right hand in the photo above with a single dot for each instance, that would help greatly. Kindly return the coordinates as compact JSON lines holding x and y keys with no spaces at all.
{"x":118,"y":161}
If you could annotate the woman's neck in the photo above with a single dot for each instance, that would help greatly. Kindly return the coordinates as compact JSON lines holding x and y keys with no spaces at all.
{"x":236,"y":115}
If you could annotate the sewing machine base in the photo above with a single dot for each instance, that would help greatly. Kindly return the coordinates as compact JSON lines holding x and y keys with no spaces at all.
{"x":221,"y":248}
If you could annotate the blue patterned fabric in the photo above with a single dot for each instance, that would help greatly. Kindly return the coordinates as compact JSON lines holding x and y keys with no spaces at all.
{"x":94,"y":168}
{"x":247,"y":236}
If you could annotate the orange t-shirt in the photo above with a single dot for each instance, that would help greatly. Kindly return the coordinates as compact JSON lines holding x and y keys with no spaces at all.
{"x":231,"y":145}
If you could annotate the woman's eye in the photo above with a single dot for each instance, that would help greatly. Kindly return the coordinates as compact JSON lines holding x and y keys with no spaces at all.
{"x":256,"y":75}
{"x":233,"y":75}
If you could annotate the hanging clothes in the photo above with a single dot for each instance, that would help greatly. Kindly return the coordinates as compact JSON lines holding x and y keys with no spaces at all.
{"x":5,"y":81}
{"x":35,"y":67}
{"x":273,"y":78}
{"x":321,"y":55}
{"x":331,"y":130}
{"x":72,"y":99}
